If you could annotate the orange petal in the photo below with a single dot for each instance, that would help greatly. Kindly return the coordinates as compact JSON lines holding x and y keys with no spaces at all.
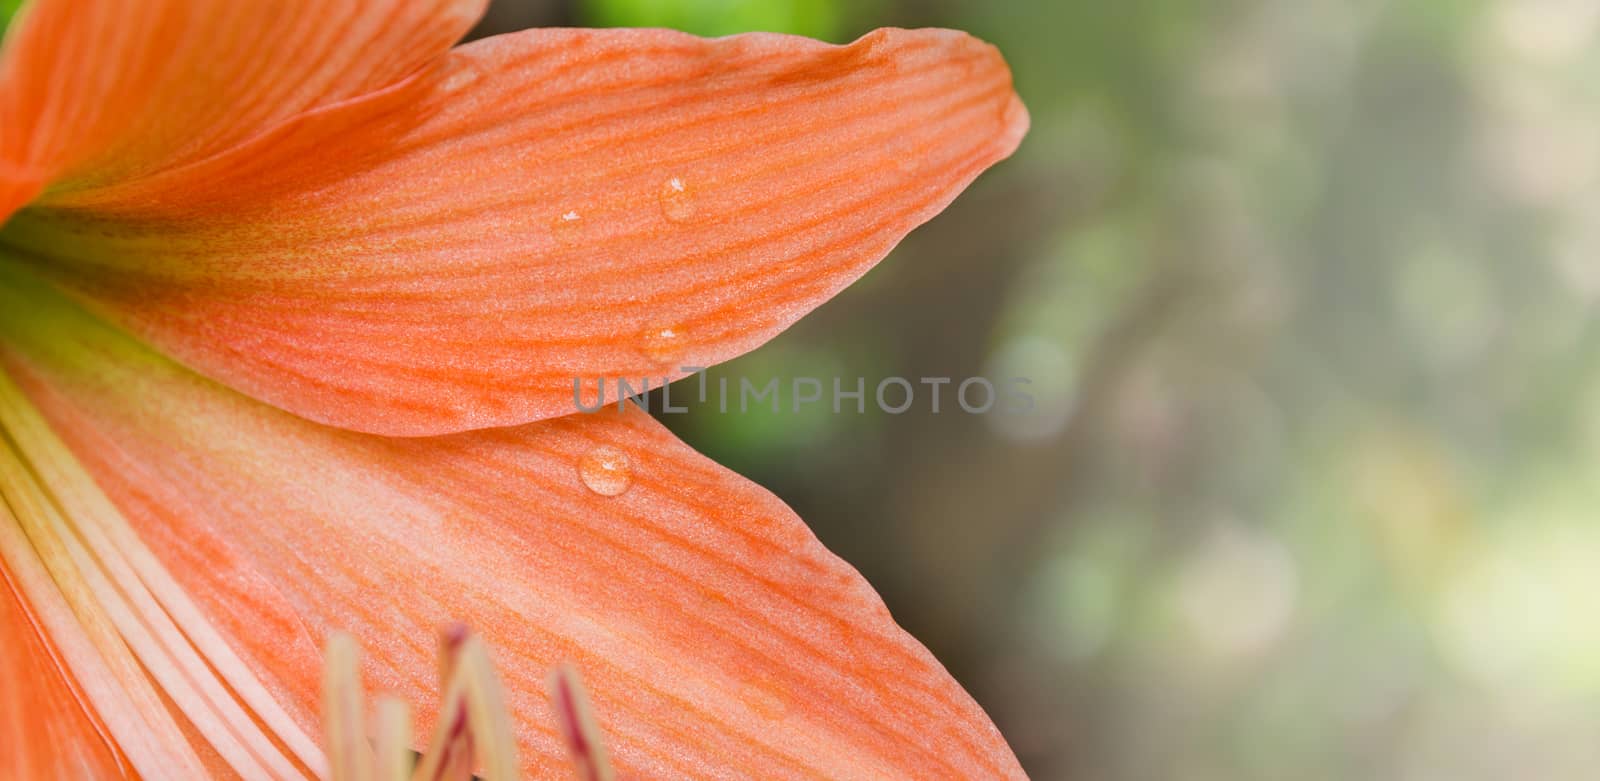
{"x":75,"y":702}
{"x":130,"y":629}
{"x":97,"y":92}
{"x":717,"y":637}
{"x":574,"y":203}
{"x":46,"y":725}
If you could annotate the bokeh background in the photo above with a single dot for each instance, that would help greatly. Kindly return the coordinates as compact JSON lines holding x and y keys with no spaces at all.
{"x":1307,"y":291}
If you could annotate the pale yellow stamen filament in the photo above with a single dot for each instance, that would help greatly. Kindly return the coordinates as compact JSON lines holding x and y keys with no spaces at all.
{"x":113,"y":683}
{"x":101,"y":567}
{"x":393,"y":740}
{"x":344,"y":712}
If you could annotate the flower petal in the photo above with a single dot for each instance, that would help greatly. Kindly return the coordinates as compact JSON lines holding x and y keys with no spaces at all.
{"x":76,"y":702}
{"x":48,"y":729}
{"x":573,"y":203}
{"x":98,"y":92}
{"x":133,"y":630}
{"x":717,"y":636}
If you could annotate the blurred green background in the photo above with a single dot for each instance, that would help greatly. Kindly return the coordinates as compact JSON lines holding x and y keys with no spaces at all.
{"x":1306,"y":290}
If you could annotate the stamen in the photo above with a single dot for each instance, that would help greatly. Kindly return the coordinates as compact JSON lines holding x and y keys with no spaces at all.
{"x":475,"y":723}
{"x":451,"y":757}
{"x":578,"y":725}
{"x":344,"y":712}
{"x":473,"y":727}
{"x":486,"y":708}
{"x":392,"y":743}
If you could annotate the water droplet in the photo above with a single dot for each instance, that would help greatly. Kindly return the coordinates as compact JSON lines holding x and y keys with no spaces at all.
{"x":676,"y":202}
{"x":664,"y":346}
{"x":606,"y":470}
{"x":567,"y":227}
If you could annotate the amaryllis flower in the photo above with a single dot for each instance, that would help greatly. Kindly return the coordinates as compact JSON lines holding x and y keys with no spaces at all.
{"x":292,"y":296}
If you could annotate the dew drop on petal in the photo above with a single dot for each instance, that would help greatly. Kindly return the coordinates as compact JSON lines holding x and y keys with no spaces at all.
{"x":664,"y":345}
{"x":567,"y":227}
{"x":606,"y":470}
{"x":676,"y":201}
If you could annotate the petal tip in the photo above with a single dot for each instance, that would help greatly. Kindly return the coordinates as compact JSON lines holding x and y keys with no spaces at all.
{"x":1013,"y":117}
{"x":984,"y":63}
{"x":1014,"y":124}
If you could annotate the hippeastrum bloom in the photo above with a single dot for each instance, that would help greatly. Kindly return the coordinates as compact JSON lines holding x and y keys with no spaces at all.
{"x":292,"y":294}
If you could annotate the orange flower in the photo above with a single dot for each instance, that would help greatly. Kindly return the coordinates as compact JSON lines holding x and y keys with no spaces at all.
{"x":291,"y":299}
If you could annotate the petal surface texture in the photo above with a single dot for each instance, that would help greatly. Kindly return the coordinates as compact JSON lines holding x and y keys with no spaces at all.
{"x":718,"y":638}
{"x":49,"y":730}
{"x":561,"y":204}
{"x":94,"y":93}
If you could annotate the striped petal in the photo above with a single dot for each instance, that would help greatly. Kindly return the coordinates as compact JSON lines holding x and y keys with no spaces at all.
{"x":717,"y":637}
{"x":566,"y":203}
{"x":139,"y":663}
{"x":48,"y":726}
{"x":90,"y":690}
{"x":94,"y":93}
